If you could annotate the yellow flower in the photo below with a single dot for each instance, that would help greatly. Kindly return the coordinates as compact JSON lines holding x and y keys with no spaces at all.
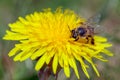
{"x":46,"y":36}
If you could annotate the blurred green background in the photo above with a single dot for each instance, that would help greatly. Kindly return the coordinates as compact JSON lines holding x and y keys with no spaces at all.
{"x":10,"y":10}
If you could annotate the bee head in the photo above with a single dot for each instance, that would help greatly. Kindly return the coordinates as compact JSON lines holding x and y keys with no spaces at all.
{"x":74,"y":34}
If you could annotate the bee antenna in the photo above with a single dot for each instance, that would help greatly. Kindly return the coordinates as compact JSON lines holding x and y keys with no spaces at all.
{"x":69,"y":28}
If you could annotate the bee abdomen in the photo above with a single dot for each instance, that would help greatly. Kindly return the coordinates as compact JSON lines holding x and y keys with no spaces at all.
{"x":90,"y":39}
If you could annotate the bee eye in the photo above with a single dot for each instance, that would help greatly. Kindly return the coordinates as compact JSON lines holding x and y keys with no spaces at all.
{"x":74,"y":34}
{"x":81,"y":31}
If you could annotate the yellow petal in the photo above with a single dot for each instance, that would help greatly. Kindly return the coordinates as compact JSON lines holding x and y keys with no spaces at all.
{"x":27,"y":54}
{"x":23,"y":20}
{"x":105,"y":51}
{"x":84,"y":66}
{"x":100,"y":39}
{"x":67,"y":71}
{"x":66,"y":67}
{"x":14,"y":36}
{"x":55,"y":63}
{"x":18,"y":27}
{"x":61,"y":57}
{"x":40,"y":62}
{"x":14,"y":51}
{"x":73,"y":65}
{"x":61,"y":61}
{"x":93,"y":65}
{"x":50,"y":56}
{"x":18,"y":57}
{"x":100,"y":58}
{"x":38,"y":53}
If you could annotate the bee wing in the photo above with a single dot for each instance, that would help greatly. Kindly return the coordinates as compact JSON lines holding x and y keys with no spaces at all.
{"x":94,"y":19}
{"x":94,"y":22}
{"x":98,"y":29}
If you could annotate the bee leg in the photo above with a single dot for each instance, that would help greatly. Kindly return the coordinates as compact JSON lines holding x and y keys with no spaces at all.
{"x":92,"y":41}
{"x":87,"y":40}
{"x":76,"y":38}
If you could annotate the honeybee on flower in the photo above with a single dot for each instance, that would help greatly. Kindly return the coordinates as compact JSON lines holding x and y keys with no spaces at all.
{"x":86,"y":30}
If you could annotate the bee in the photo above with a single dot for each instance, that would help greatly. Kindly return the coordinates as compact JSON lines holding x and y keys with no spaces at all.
{"x":85,"y":31}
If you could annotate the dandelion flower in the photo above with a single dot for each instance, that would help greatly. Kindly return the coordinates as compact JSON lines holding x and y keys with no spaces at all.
{"x":46,"y":36}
